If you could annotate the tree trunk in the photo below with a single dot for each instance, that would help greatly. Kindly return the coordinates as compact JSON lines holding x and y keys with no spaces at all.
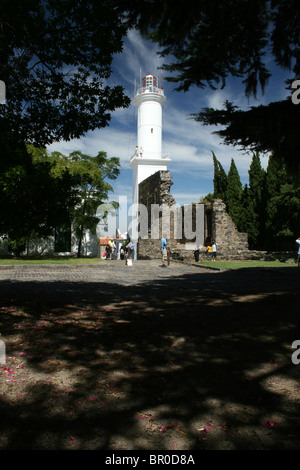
{"x":80,"y":243}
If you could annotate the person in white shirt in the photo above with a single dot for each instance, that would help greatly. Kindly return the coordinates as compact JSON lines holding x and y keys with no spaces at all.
{"x":214,"y":251}
{"x":298,"y":242}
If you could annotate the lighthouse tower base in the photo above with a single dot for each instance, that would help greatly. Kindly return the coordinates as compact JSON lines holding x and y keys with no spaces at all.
{"x":142,"y":169}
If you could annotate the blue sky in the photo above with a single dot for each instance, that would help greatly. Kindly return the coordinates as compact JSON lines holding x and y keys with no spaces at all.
{"x":188,"y":143}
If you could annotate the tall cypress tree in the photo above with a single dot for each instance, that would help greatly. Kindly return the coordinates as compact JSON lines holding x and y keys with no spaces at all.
{"x":256,"y":191}
{"x":248,"y":218}
{"x":220,"y":180}
{"x":282,"y":211}
{"x":275,"y":177}
{"x":234,"y":194}
{"x":287,"y":217}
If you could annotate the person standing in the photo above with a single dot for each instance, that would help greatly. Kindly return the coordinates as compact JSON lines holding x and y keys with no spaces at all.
{"x":208,"y":252}
{"x":298,"y":243}
{"x":164,"y":244}
{"x":214,"y":251}
{"x":109,"y":247}
{"x":131,"y":250}
{"x":197,"y":254}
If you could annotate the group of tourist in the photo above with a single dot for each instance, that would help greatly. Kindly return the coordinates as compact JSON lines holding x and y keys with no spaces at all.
{"x":211,"y":252}
{"x":129,"y":251}
{"x":125,"y":252}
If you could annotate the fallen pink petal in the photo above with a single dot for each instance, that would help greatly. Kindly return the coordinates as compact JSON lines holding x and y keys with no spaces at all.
{"x":164,"y":427}
{"x":144,"y":416}
{"x":270,"y":424}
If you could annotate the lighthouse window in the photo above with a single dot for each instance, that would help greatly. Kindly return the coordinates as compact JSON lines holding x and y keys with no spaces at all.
{"x":149,"y":81}
{"x":152,"y":131}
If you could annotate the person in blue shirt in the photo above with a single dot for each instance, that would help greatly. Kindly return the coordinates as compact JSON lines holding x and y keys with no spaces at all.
{"x":163,"y":250}
{"x":131,"y":249}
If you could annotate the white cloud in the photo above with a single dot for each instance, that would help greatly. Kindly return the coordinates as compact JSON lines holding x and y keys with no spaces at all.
{"x":187,"y":198}
{"x":114,"y":142}
{"x":139,"y":58}
{"x":141,"y":55}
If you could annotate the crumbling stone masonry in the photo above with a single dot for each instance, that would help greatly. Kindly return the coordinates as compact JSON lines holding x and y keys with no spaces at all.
{"x":155,"y":190}
{"x":224,"y":231}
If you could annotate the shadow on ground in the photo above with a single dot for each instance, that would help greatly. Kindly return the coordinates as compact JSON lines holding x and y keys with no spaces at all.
{"x":202,"y":361}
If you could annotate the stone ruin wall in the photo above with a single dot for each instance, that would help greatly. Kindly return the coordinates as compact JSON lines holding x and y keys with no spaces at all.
{"x":218,"y":225}
{"x":155,"y":190}
{"x":224,"y":231}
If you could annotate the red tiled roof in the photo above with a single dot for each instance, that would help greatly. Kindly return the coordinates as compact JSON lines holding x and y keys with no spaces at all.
{"x":104,"y":241}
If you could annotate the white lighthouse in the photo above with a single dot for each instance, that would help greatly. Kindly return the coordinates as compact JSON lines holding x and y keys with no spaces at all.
{"x":148,"y":158}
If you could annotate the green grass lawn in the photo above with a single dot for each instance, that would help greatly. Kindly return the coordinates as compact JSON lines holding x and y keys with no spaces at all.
{"x":247,"y":264}
{"x":77,"y":261}
{"x":72,"y":261}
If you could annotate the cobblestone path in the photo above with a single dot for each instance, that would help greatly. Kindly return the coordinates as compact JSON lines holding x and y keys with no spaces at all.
{"x":29,"y":281}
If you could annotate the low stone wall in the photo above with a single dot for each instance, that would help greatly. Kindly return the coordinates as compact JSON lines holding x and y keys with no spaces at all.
{"x":235,"y":255}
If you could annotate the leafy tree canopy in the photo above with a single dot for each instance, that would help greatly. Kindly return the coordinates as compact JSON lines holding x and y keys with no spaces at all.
{"x":269,"y":128}
{"x":90,"y":178}
{"x":53,"y":190}
{"x":210,"y":41}
{"x":33,"y":201}
{"x":55,"y":58}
